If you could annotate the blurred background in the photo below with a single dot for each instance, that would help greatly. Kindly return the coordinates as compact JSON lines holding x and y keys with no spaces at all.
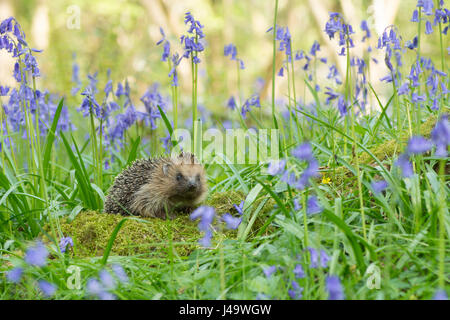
{"x":121,"y":36}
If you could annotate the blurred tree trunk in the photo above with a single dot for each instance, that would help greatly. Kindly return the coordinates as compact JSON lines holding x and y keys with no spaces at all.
{"x":6,"y":61}
{"x":41,"y":26}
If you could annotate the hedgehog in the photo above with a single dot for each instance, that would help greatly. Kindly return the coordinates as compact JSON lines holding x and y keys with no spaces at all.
{"x":155,"y":187}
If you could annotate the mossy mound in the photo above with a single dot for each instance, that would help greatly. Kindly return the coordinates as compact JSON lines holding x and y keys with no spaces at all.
{"x":344,"y":178}
{"x":391,"y":147}
{"x":91,"y":230}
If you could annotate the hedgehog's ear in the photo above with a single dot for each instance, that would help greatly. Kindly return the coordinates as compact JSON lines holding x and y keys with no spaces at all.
{"x":193,"y":158}
{"x":165,"y":169}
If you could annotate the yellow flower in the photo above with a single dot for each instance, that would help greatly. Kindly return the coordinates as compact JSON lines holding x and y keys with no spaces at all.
{"x":326,"y":180}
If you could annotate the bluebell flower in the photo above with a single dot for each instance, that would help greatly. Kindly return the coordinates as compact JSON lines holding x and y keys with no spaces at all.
{"x":427,"y":6}
{"x":166,"y":51}
{"x":365,"y":28}
{"x":342,"y":106}
{"x":253,"y":101}
{"x":298,"y":271}
{"x":296,"y":292}
{"x":315,"y":47}
{"x":440,"y":295}
{"x":415,"y":98}
{"x":303,"y":152}
{"x":276,"y":167}
{"x":231,"y":103}
{"x":318,"y":258}
{"x":36,"y":255}
{"x":107,"y":280}
{"x":281,"y":72}
{"x":163,"y":34}
{"x":240,"y":208}
{"x":334,"y":288}
{"x":404,"y":89}
{"x":313,"y":206}
{"x":415,"y":16}
{"x":289,"y":178}
{"x":47,"y":288}
{"x":269,"y":271}
{"x":440,"y":135}
{"x":120,"y":273}
{"x":405,"y":165}
{"x":206,"y":215}
{"x":15,"y":275}
{"x":4,"y":91}
{"x":418,"y":145}
{"x":379,"y":186}
{"x":94,"y":287}
{"x":64,"y":242}
{"x":231,"y":222}
{"x":428,"y":28}
{"x":195,"y":25}
{"x":230,"y":50}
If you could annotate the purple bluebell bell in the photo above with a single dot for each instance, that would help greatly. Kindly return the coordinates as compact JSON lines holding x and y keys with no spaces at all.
{"x":4,"y":91}
{"x":404,"y":89}
{"x":313,"y":206}
{"x":342,"y":106}
{"x":269,"y":271}
{"x":231,"y":222}
{"x":253,"y":101}
{"x":47,"y":288}
{"x":334,"y":288}
{"x":64,"y":242}
{"x":231,"y":103}
{"x":379,"y":186}
{"x":240,"y":208}
{"x":318,"y":259}
{"x":230,"y":50}
{"x":415,"y":16}
{"x":120,"y":273}
{"x":440,"y":135}
{"x":163,"y":34}
{"x":405,"y":165}
{"x":427,"y":6}
{"x":206,"y":215}
{"x":428,"y":28}
{"x":299,"y":272}
{"x":15,"y":275}
{"x":276,"y":167}
{"x":440,"y":295}
{"x":365,"y":28}
{"x":281,"y":72}
{"x":107,"y":280}
{"x":315,"y":47}
{"x":418,"y":145}
{"x":36,"y":255}
{"x":303,"y":152}
{"x":296,"y":292}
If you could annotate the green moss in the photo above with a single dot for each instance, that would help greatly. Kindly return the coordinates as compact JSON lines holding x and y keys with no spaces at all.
{"x":391,"y":147}
{"x":343,"y":178}
{"x":92,"y":230}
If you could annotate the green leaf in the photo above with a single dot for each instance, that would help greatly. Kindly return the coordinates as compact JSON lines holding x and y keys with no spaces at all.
{"x":50,"y":139}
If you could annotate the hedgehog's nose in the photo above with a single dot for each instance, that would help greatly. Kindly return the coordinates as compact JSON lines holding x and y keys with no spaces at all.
{"x":192,"y":185}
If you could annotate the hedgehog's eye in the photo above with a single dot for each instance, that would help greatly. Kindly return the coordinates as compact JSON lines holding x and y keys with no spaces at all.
{"x":179,"y":176}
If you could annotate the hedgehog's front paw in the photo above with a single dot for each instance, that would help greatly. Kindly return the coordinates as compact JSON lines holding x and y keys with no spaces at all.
{"x":164,"y":215}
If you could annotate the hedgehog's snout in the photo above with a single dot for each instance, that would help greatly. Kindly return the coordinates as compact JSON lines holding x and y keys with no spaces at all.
{"x":192,"y":184}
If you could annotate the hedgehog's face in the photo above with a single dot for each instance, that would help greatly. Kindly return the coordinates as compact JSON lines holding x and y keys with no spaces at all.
{"x":187,"y":177}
